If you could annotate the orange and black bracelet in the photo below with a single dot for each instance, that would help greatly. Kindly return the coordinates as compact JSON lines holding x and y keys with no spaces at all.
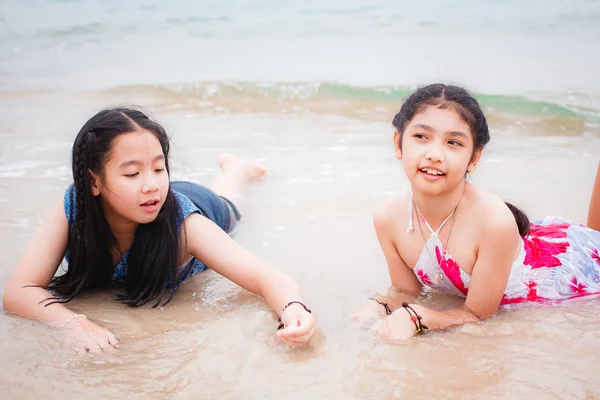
{"x":281,"y":325}
{"x":388,"y":311}
{"x":415,"y":318}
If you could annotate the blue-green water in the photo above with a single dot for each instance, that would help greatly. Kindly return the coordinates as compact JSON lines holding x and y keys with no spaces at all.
{"x":535,"y":57}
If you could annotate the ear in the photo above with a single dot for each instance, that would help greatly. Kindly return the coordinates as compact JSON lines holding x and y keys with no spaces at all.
{"x":474,"y":161}
{"x":397,"y":147}
{"x":95,"y":183}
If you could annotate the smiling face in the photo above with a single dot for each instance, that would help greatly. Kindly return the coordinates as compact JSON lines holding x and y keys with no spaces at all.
{"x":134,"y":183}
{"x":436,"y":150}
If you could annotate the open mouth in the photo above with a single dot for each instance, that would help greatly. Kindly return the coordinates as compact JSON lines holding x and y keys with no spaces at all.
{"x":430,"y":171}
{"x":150,"y":203}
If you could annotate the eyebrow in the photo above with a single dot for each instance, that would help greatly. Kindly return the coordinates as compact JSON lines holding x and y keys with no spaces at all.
{"x":451,"y":133}
{"x":138,"y":162}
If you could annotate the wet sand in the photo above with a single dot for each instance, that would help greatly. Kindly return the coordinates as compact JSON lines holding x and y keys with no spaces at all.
{"x":311,"y":217}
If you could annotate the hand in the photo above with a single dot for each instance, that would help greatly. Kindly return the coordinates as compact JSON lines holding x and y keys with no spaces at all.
{"x":85,"y":336}
{"x":369,"y":312}
{"x":395,"y":327}
{"x":299,"y":326}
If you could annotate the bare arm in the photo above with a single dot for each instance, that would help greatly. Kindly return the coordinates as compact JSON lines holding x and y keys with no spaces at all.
{"x":593,"y":220}
{"x":25,"y":296}
{"x":37,"y":266}
{"x":211,"y":245}
{"x":405,"y":285}
{"x":488,"y":283}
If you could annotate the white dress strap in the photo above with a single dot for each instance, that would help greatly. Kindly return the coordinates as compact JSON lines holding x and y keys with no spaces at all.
{"x":436,"y":232}
{"x":410,"y":227}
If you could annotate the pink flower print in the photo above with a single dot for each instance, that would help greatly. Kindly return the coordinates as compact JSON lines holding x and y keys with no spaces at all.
{"x":451,"y":269}
{"x":424,"y":277}
{"x":541,"y":253}
{"x":576,"y":286}
{"x":544,"y":244}
{"x":532,"y":285}
{"x":595,"y":255}
{"x":532,"y":295}
{"x":550,"y":231}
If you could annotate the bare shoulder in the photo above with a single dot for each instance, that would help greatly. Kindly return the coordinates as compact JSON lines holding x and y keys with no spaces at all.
{"x":391,"y":213}
{"x":491,"y":213}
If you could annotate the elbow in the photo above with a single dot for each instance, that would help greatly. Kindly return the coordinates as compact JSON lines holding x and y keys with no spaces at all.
{"x":13,"y":300}
{"x":10,"y":298}
{"x":470,"y":316}
{"x":473,"y":318}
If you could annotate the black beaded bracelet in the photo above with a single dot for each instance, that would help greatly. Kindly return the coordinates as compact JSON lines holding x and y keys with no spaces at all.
{"x":281,"y":325}
{"x":416,"y":318}
{"x":388,"y":311}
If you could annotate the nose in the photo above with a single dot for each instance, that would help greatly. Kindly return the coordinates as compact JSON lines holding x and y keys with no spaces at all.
{"x":150,"y":185}
{"x":435,"y":153}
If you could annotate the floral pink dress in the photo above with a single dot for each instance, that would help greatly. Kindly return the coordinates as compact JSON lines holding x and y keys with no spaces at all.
{"x":558,"y":260}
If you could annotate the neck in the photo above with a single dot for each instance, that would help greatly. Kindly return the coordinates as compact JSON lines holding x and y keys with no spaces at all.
{"x":122,"y":229}
{"x":436,"y":208}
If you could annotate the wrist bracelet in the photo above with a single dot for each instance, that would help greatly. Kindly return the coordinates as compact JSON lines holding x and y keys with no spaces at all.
{"x":70,"y":319}
{"x":388,"y":311}
{"x":416,"y":318}
{"x":281,"y":325}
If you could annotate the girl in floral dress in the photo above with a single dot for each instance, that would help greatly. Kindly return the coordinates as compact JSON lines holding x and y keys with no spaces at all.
{"x":451,"y":236}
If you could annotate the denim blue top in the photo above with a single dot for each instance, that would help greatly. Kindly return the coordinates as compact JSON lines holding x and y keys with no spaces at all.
{"x":186,"y":207}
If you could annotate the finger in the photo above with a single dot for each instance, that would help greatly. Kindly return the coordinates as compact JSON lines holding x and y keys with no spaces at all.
{"x":93,"y":347}
{"x":93,"y":344}
{"x":290,"y":331}
{"x":98,"y":344}
{"x":285,"y":340}
{"x":304,"y":323}
{"x":288,"y":339}
{"x":76,"y":344}
{"x":112,"y":340}
{"x":307,"y":325}
{"x":80,"y":349}
{"x":290,"y":323}
{"x":301,"y":330}
{"x":304,"y":339}
{"x":106,"y":347}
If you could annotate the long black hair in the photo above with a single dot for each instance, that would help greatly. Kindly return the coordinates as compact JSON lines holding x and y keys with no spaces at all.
{"x":459,"y":100}
{"x":155,"y":251}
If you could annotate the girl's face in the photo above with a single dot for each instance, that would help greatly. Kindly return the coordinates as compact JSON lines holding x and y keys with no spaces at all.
{"x":135,"y":182}
{"x":437,"y":150}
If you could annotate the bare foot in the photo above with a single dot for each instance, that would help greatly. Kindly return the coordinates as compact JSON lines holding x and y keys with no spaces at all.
{"x":230,"y":162}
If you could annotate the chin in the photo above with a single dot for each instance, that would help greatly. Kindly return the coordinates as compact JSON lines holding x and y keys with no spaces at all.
{"x":146,"y":219}
{"x":435,"y":188}
{"x":430,"y":189}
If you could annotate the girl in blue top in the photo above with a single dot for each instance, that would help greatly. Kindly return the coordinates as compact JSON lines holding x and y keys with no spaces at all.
{"x":122,"y":222}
